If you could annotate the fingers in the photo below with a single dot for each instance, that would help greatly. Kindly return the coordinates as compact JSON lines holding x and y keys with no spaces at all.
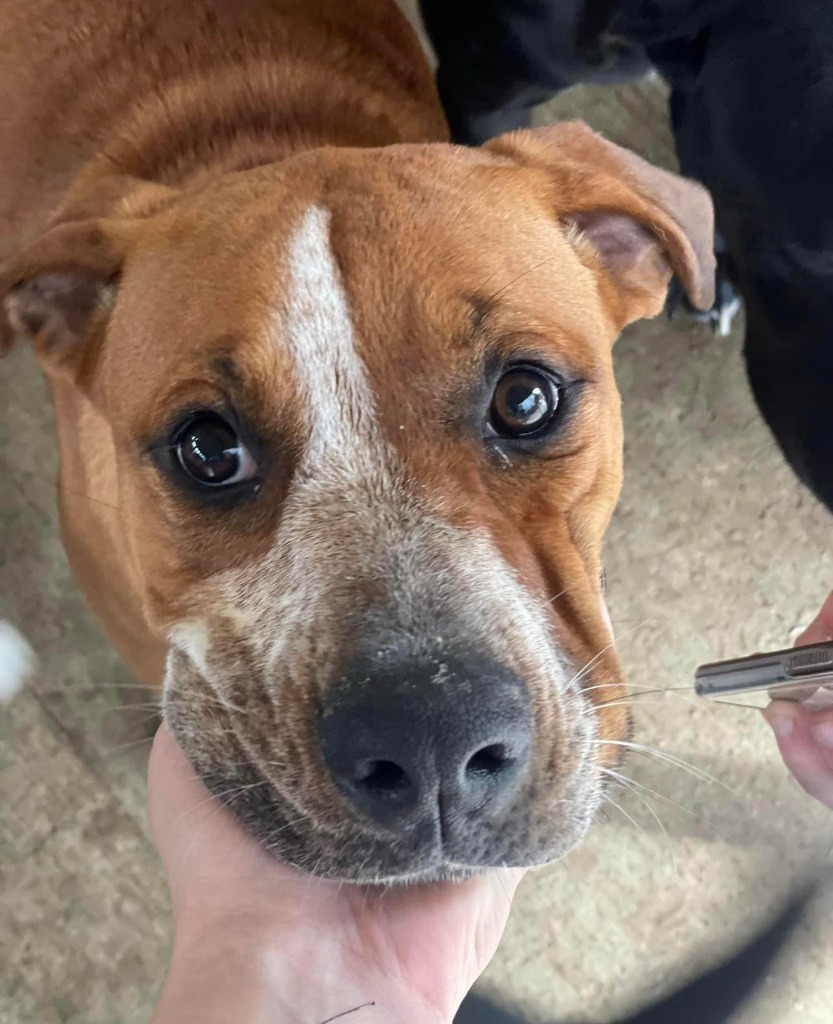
{"x":805,"y":740}
{"x":821,"y":628}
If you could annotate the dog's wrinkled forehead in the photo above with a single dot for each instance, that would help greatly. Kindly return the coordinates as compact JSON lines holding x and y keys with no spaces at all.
{"x":372,"y":267}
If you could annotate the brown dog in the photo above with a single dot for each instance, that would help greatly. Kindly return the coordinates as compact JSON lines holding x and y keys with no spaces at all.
{"x":344,"y":395}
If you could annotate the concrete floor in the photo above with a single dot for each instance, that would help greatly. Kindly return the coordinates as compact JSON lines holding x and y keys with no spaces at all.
{"x":715,"y":551}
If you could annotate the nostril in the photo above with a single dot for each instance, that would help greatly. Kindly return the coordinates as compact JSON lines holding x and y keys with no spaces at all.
{"x":489,"y":763}
{"x":382,"y":779}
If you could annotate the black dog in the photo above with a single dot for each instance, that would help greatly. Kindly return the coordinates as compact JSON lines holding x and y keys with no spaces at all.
{"x":710,"y":999}
{"x":751,"y":102}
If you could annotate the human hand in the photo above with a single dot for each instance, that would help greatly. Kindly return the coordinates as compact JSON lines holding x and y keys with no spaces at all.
{"x":292,"y":947}
{"x":805,"y":737}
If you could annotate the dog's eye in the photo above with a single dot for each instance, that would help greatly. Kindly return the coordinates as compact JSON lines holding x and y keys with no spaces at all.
{"x":210,"y":452}
{"x":525,"y":401}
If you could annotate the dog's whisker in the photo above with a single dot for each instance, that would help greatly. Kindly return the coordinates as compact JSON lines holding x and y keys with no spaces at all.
{"x":93,"y":688}
{"x":630,"y":694}
{"x":123,"y":748}
{"x":635,"y":700}
{"x":561,"y":593}
{"x":661,"y":755}
{"x":220,"y":806}
{"x":682,"y":692}
{"x":609,"y":799}
{"x":664,"y":799}
{"x":580,"y":674}
{"x":622,"y":702}
{"x":218,"y":697}
{"x":622,"y":685}
{"x":113,"y":709}
{"x":282,"y":828}
{"x":224,"y":799}
{"x":257,"y":764}
{"x":141,"y":712}
{"x":155,"y":714}
{"x":626,"y":783}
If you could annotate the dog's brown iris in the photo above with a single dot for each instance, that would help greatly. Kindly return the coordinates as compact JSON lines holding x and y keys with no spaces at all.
{"x":525,"y":401}
{"x":210,"y":452}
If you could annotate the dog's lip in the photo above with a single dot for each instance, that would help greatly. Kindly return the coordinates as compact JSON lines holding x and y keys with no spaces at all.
{"x":443,"y":871}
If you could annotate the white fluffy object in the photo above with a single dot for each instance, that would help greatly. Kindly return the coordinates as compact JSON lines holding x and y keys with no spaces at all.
{"x":17,"y":661}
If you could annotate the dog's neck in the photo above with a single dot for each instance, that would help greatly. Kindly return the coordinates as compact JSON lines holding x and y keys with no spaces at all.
{"x":192,"y":97}
{"x":216,"y":127}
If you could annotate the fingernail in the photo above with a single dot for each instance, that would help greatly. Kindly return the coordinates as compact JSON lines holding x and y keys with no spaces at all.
{"x":782,"y":719}
{"x":823,"y":734}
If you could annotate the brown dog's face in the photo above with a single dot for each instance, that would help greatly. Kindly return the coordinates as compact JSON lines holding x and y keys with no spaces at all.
{"x":368,"y":444}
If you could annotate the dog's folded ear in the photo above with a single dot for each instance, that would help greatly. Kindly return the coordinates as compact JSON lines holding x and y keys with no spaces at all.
{"x":636,"y":223}
{"x":57,"y":291}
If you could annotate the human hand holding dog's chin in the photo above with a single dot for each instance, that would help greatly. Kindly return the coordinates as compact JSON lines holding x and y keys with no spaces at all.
{"x":256,"y":940}
{"x":805,"y":737}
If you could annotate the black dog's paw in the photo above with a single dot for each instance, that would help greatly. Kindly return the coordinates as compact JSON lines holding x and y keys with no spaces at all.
{"x":727,"y":303}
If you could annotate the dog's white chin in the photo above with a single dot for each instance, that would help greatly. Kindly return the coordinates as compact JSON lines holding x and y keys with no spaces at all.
{"x":17,"y":661}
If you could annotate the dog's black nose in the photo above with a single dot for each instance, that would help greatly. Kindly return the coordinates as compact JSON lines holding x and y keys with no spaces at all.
{"x":444,"y":737}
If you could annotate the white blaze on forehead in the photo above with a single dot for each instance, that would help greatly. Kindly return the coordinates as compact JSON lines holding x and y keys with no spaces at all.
{"x":319,"y":334}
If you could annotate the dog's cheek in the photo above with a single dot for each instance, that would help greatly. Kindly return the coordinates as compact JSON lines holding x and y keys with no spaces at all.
{"x":194,"y":715}
{"x":232,"y":708}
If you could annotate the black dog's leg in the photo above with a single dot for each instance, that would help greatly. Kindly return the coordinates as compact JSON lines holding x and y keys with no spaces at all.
{"x":727,"y":301}
{"x":498,"y":59}
{"x":754,"y":127}
{"x":493,"y":67}
{"x":682,"y":63}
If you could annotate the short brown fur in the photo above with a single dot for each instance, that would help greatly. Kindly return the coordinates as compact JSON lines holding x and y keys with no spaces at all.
{"x":163,"y":153}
